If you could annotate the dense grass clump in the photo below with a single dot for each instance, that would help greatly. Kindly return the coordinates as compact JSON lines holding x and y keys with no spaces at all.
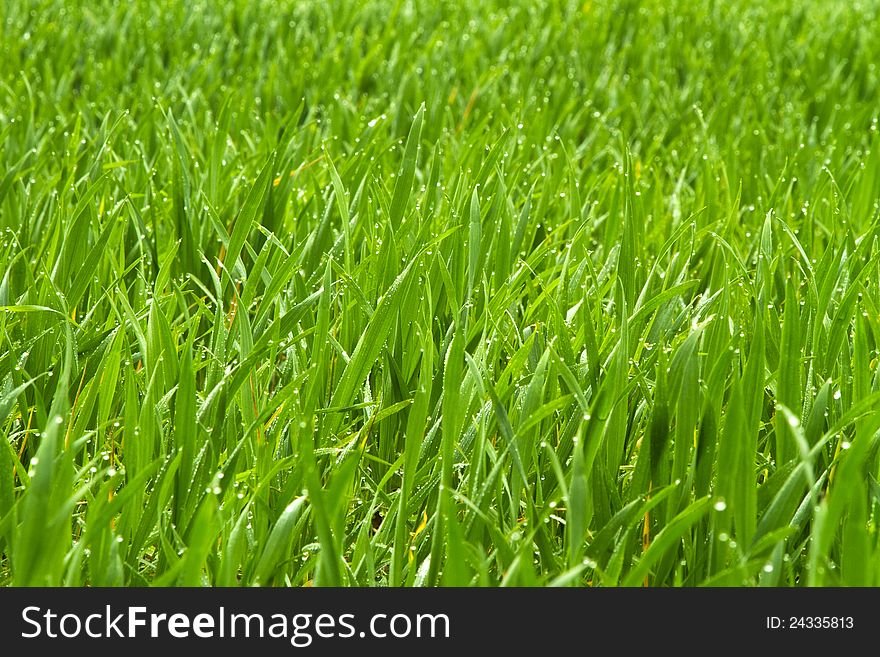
{"x":453,"y":293}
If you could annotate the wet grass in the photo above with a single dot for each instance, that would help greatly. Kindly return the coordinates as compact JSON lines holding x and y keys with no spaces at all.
{"x":395,"y":293}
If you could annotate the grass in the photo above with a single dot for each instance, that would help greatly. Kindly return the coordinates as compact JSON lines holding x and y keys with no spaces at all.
{"x":393,"y":293}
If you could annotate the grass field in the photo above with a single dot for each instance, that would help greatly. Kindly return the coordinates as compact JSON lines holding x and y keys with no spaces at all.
{"x":453,"y":293}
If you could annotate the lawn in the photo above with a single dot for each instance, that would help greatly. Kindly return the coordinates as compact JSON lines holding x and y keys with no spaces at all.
{"x":439,"y":293}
